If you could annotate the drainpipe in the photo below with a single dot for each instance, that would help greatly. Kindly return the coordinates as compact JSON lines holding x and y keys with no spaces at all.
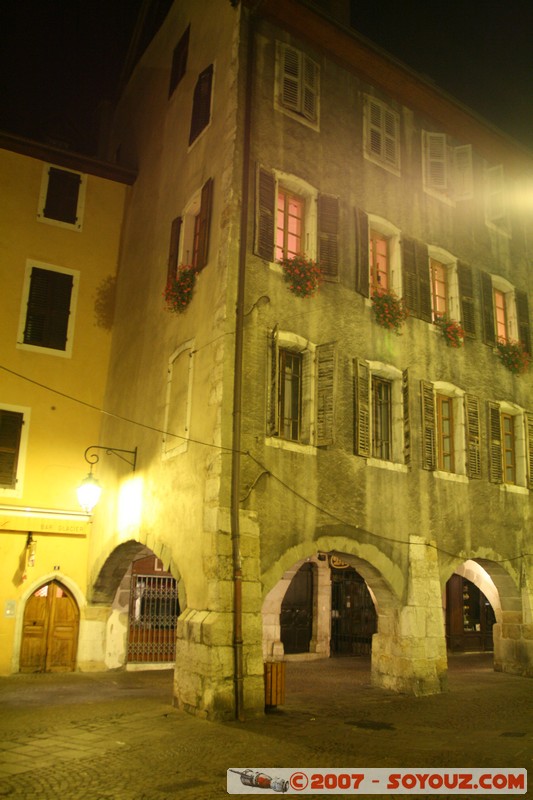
{"x":237,"y":385}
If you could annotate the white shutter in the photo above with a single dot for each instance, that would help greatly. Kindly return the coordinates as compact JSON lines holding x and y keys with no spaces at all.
{"x":435,"y":161}
{"x":310,"y":90}
{"x":291,"y":68}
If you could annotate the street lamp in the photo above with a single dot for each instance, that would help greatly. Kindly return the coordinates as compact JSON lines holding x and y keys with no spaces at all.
{"x":89,"y":490}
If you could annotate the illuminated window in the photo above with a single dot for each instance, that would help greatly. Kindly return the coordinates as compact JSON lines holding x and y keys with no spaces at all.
{"x":439,"y":288}
{"x":189,"y":236}
{"x":290,"y":225}
{"x":500,"y":315}
{"x":379,"y":261}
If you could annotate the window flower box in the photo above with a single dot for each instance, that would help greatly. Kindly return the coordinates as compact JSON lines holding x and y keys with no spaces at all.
{"x":513,"y":356}
{"x":452,"y":331}
{"x":179,"y":290}
{"x":389,"y":310}
{"x":303,"y":275}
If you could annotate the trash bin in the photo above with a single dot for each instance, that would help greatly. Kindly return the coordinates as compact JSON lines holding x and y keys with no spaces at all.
{"x":274,"y":683}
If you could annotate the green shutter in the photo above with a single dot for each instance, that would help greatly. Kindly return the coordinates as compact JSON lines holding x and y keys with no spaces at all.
{"x":362,"y":408}
{"x":48,"y":309}
{"x":273,"y":393}
{"x":429,"y":450}
{"x":10,"y":432}
{"x":265,"y":214}
{"x":328,"y":234}
{"x":205,"y":220}
{"x":522,"y":315}
{"x":325,"y":383}
{"x":406,"y":418}
{"x":362,"y":263}
{"x":489,"y":334}
{"x":466,"y":297}
{"x":473,"y":437}
{"x":495,"y":443}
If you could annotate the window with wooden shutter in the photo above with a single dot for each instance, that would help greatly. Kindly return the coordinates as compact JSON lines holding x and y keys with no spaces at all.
{"x":466,"y":298}
{"x":61,"y":201}
{"x":381,"y":397}
{"x":325,"y":393}
{"x":201,"y":107}
{"x":362,"y":280}
{"x":406,"y":418}
{"x":416,"y":278}
{"x":473,"y":437}
{"x":48,"y":309}
{"x":204,"y":221}
{"x":290,"y":218}
{"x":382,"y":134}
{"x":495,"y":443}
{"x":362,"y":408}
{"x":298,"y":83}
{"x":173,"y":254}
{"x":265,"y":200}
{"x":427,"y":396}
{"x":522,"y":316}
{"x":179,"y":61}
{"x":489,"y":334}
{"x":272,"y":400}
{"x":10,"y":436}
{"x":435,"y":171}
{"x":328,"y":234}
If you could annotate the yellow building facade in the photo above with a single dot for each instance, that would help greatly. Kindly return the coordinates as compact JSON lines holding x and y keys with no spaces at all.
{"x":60,"y":233}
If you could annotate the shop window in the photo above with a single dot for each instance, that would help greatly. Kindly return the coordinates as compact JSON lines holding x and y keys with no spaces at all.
{"x":62,"y":197}
{"x":297,"y":84}
{"x":49,"y":300}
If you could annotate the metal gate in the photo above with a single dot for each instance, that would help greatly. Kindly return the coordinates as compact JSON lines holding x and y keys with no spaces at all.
{"x":153,"y":614}
{"x":353,"y":616}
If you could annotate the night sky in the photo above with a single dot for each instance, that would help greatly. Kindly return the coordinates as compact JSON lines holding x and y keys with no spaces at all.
{"x":60,"y":58}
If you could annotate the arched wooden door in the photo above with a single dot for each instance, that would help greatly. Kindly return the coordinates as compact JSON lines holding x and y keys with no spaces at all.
{"x":50,"y":630}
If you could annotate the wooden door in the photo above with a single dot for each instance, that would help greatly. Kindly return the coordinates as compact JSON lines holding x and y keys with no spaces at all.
{"x":50,"y":630}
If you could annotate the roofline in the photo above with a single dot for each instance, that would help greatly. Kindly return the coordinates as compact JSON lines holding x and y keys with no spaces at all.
{"x":66,"y":158}
{"x":306,"y":21}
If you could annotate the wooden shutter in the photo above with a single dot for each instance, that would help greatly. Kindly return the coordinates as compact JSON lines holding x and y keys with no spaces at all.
{"x":495,"y":443}
{"x":489,"y":334}
{"x":206,"y":203}
{"x":406,"y":418}
{"x":174,"y":248}
{"x":179,"y":61}
{"x":10,"y":432}
{"x":362,"y":263}
{"x":326,"y":355}
{"x":473,"y":437}
{"x":62,"y":195}
{"x":328,"y":234}
{"x":529,"y":437}
{"x":362,"y":408}
{"x":416,"y":278}
{"x":273,"y":389}
{"x":48,"y":309}
{"x":429,"y":454}
{"x":436,"y":161}
{"x":265,"y":213}
{"x":465,"y":280}
{"x":291,"y":77}
{"x":201,"y":106}
{"x":310,"y":89}
{"x":522,"y":318}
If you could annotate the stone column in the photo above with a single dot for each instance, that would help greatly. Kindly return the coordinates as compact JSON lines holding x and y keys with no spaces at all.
{"x":409,"y":650}
{"x":513,"y":636}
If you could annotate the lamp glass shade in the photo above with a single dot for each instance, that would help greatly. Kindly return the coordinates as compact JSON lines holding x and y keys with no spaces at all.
{"x":89,"y":492}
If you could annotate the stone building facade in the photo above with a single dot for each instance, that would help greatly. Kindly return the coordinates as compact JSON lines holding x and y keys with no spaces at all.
{"x":277,"y":431}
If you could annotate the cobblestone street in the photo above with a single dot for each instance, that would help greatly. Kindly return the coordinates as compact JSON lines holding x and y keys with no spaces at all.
{"x":116,"y":736}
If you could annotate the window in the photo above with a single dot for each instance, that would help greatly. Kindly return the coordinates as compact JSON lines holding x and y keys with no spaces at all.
{"x":382,"y":412}
{"x":301,"y":399}
{"x":381,"y":134}
{"x":201,"y":107}
{"x":297,"y":91}
{"x":292,"y":218}
{"x":378,"y":255}
{"x":47,"y":318}
{"x":439,"y":288}
{"x":178,"y":400}
{"x":505,"y":312}
{"x":13,"y":443}
{"x":450,"y":430}
{"x":496,"y":214}
{"x":446,"y":170}
{"x":510,"y":445}
{"x":62,"y":198}
{"x":290,"y":224}
{"x":179,"y":61}
{"x":381,"y":418}
{"x":189,"y":235}
{"x":452,"y":289}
